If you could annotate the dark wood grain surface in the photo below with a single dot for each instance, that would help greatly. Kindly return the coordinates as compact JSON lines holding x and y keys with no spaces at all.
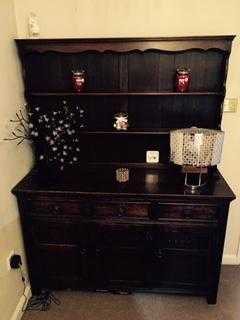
{"x":101,"y":180}
{"x":130,"y":75}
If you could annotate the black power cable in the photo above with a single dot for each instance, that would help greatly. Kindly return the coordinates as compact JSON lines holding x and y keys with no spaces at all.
{"x":41,"y":302}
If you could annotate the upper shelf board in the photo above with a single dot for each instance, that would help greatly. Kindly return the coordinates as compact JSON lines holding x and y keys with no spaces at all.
{"x":73,"y":45}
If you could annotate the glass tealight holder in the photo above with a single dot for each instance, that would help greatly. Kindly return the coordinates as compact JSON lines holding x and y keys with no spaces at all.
{"x":122,"y":175}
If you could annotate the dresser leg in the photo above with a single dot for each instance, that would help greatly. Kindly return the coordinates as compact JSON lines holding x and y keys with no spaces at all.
{"x":212,"y":299}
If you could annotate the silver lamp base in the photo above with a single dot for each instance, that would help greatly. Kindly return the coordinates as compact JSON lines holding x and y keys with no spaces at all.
{"x":194,"y":188}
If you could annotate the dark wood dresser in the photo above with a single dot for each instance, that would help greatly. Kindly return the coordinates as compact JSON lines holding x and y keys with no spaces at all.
{"x":85,"y":230}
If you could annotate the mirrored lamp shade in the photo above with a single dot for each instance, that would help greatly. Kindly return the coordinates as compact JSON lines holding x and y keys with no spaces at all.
{"x":196,"y":147}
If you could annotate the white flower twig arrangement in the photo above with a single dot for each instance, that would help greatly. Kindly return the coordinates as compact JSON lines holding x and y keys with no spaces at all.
{"x":54,"y":133}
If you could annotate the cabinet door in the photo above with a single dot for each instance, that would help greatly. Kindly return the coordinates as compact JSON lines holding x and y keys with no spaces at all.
{"x":120,"y":267}
{"x":179,"y":257}
{"x":59,"y":266}
{"x":177,"y":269}
{"x":57,"y":253}
{"x":121,"y":255}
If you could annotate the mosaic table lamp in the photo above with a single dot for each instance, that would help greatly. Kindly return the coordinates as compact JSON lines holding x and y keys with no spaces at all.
{"x":196,"y":149}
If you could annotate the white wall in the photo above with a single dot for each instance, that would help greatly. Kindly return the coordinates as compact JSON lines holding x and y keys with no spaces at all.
{"x":114,"y":18}
{"x":14,"y":162}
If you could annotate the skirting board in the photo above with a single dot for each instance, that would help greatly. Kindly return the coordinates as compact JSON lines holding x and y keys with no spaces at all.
{"x":230,"y":259}
{"x":17,"y":314}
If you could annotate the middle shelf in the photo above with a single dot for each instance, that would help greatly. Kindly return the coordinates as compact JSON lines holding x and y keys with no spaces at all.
{"x":133,"y":93}
{"x":129,"y":131}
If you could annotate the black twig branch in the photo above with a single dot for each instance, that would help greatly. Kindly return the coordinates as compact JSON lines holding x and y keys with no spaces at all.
{"x":20,"y":133}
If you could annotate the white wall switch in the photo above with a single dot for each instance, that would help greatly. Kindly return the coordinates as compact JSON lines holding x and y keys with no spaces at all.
{"x":152,"y":156}
{"x":230,"y":105}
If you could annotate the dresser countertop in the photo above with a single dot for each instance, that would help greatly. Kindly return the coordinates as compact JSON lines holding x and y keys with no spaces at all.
{"x":101,"y":180}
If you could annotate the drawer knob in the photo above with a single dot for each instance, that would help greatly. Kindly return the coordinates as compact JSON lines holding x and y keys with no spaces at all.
{"x":83,"y":251}
{"x":122,"y":210}
{"x":55,"y":209}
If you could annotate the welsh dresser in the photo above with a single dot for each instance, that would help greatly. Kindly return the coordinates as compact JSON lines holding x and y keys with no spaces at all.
{"x":85,"y":230}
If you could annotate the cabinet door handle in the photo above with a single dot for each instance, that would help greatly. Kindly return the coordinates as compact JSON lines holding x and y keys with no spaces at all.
{"x":98,"y":252}
{"x":83,"y":252}
{"x":149,"y":236}
{"x":159,"y":254}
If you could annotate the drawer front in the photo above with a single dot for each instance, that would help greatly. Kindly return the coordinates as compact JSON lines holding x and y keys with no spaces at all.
{"x":55,"y":206}
{"x":183,"y":211}
{"x":120,"y":209}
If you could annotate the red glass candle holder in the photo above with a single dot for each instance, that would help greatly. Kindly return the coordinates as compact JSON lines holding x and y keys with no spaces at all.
{"x":182,"y":79}
{"x":78,"y":80}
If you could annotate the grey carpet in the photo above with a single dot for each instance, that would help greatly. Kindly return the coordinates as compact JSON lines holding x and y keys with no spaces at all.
{"x":105,"y":306}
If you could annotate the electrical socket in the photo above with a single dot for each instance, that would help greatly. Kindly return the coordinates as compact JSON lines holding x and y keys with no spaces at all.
{"x":152,"y":156}
{"x":230,"y":105}
{"x":15,"y":261}
{"x":8,"y":260}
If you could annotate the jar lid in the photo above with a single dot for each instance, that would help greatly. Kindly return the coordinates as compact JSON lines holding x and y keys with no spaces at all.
{"x":121,"y":115}
{"x":78,"y":72}
{"x":183,"y":71}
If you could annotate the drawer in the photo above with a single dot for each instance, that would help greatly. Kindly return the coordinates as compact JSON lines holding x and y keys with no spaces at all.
{"x":120,"y":209}
{"x":183,"y":211}
{"x":55,"y":206}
